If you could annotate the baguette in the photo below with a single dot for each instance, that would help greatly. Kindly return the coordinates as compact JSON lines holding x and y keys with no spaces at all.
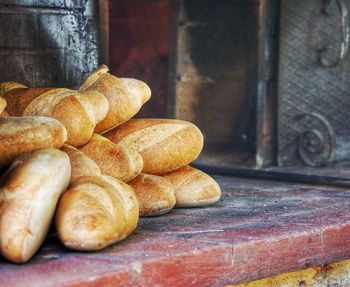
{"x":125,"y":96}
{"x":193,"y":188}
{"x":114,"y":160}
{"x":154,"y":194}
{"x":78,"y":111}
{"x":29,"y":192}
{"x":22,"y":134}
{"x":81,"y":164}
{"x":95,"y":212}
{"x":164,"y":144}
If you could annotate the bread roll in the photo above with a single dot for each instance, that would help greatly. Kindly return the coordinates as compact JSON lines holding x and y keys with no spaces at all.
{"x":164,"y":144}
{"x":19,"y":97}
{"x":125,"y":96}
{"x":95,"y":212}
{"x":154,"y":194}
{"x":78,"y":111}
{"x":29,"y":192}
{"x":2,"y":104}
{"x":81,"y":164}
{"x":22,"y":134}
{"x":193,"y":188}
{"x":114,"y":160}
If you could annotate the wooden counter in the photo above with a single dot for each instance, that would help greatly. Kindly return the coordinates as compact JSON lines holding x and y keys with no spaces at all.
{"x":257,"y":230}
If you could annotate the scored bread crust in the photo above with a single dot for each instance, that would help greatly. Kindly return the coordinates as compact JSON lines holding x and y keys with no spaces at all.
{"x":154,"y":194}
{"x":22,"y":134}
{"x":193,"y":187}
{"x":79,"y":112}
{"x":114,"y":160}
{"x":96,"y":212}
{"x":164,"y":144}
{"x":125,"y":96}
{"x":29,"y":192}
{"x":81,"y":164}
{"x":18,"y":99}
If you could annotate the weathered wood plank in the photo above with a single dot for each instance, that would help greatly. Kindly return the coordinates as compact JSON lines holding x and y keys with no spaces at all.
{"x":258,"y":229}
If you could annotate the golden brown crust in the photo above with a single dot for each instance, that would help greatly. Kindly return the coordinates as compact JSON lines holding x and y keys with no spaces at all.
{"x":95,"y":212}
{"x":125,"y":96}
{"x":19,"y":99}
{"x":193,"y":188}
{"x":78,"y":111}
{"x":22,"y":134}
{"x":29,"y":192}
{"x":81,"y":164}
{"x":164,"y":144}
{"x":154,"y":194}
{"x":114,"y":160}
{"x":73,"y":116}
{"x":129,"y":201}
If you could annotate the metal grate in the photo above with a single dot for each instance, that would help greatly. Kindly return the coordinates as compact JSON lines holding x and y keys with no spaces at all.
{"x":314,"y":99}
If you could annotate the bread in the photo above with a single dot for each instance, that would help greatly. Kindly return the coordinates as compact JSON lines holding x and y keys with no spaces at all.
{"x":22,"y":134}
{"x":125,"y":96}
{"x":78,"y":111}
{"x":2,"y":104}
{"x":18,"y":98}
{"x":29,"y":192}
{"x":95,"y":212}
{"x":81,"y":164}
{"x":164,"y":144}
{"x":154,"y":194}
{"x":193,"y":188}
{"x":129,"y":201}
{"x":114,"y":160}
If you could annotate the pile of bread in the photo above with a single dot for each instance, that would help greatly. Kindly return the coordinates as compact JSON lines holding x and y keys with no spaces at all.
{"x":54,"y":163}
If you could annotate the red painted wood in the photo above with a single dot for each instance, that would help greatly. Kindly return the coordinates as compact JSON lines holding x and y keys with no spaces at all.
{"x":259,"y":229}
{"x":139,"y":47}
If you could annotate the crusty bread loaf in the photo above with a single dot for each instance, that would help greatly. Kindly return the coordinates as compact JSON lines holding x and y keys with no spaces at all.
{"x":19,"y":97}
{"x":129,"y":201}
{"x":125,"y":96}
{"x":164,"y":144}
{"x":81,"y":164}
{"x":78,"y":111}
{"x":29,"y":192}
{"x":193,"y":188}
{"x":95,"y":212}
{"x":154,"y":194}
{"x":114,"y":160}
{"x":22,"y":134}
{"x":2,"y":105}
